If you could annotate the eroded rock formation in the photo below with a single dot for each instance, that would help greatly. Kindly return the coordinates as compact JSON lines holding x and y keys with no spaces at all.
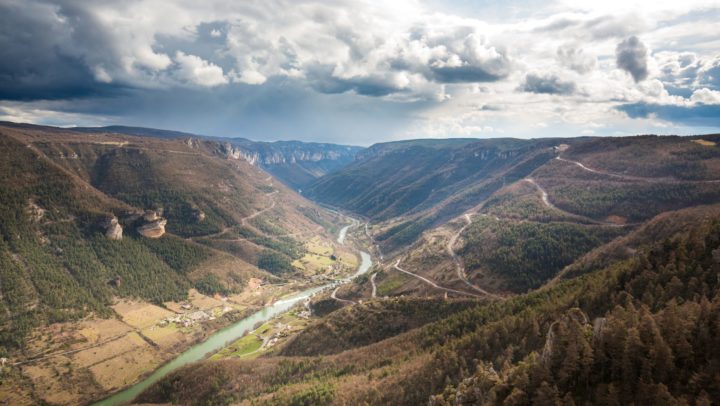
{"x":153,"y":229}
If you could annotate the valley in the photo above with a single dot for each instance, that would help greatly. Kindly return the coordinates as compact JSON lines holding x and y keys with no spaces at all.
{"x":340,"y":203}
{"x":448,"y":268}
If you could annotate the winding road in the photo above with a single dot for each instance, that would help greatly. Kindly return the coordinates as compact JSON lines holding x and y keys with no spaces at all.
{"x":633,"y":178}
{"x":334,"y":296}
{"x":243,"y":220}
{"x":431,"y":283}
{"x":543,"y":192}
{"x":458,"y":262}
{"x":374,"y":286}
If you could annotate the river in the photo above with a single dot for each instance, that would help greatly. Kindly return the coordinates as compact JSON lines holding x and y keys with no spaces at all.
{"x":227,"y":335}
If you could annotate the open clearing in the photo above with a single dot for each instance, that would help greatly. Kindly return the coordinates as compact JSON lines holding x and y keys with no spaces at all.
{"x":140,"y":314}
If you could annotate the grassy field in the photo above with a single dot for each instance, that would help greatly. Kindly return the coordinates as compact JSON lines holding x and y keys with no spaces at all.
{"x":390,"y":282}
{"x":318,"y":258}
{"x":247,"y":345}
{"x":266,"y":338}
{"x":140,"y":314}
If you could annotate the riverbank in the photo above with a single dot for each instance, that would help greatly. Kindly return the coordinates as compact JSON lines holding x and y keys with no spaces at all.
{"x":226,"y":336}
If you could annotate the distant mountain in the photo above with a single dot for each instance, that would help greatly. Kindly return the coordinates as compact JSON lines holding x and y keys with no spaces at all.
{"x":294,"y":163}
{"x":423,"y":183}
{"x":401,"y":178}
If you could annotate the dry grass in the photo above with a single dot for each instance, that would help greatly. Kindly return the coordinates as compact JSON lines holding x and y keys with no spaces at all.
{"x":99,"y":330}
{"x":111,"y":349}
{"x":203,"y":302}
{"x":54,"y":382}
{"x":125,"y":368}
{"x":140,"y":314}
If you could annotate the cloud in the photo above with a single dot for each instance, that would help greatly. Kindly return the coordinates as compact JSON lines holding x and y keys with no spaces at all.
{"x":631,"y":56}
{"x":593,"y":27}
{"x":228,"y":65}
{"x":194,"y":69}
{"x":698,"y":115}
{"x":576,"y":59}
{"x":547,"y":84}
{"x":709,"y":75}
{"x":705,"y":96}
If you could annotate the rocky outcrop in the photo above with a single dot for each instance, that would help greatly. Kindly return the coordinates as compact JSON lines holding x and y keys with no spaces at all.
{"x":151,"y":215}
{"x":154,"y":229}
{"x":35,"y":212}
{"x":113,"y":229}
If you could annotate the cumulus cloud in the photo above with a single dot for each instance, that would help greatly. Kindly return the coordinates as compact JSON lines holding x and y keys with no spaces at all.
{"x":631,"y":55}
{"x":82,"y":57}
{"x":705,"y":96}
{"x":196,"y":70}
{"x":547,"y":84}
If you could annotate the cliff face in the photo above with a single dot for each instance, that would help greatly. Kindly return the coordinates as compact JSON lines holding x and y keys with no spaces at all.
{"x":294,"y":163}
{"x":113,"y":230}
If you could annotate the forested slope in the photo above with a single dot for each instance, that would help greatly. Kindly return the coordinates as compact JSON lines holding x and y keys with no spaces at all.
{"x":641,"y":331}
{"x":88,"y":217}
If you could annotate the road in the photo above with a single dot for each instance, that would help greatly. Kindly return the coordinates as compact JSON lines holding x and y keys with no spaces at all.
{"x":374,"y":287}
{"x":544,"y":194}
{"x":431,"y":283}
{"x":259,"y":212}
{"x":243,"y":220}
{"x":634,"y":178}
{"x":334,"y":296}
{"x":458,"y":263}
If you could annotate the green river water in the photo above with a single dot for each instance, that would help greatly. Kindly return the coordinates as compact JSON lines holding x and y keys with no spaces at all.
{"x":223,"y":337}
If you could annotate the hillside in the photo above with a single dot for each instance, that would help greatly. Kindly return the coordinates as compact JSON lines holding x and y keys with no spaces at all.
{"x":294,"y":163}
{"x":110,"y":233}
{"x":561,"y":203}
{"x":405,"y":177}
{"x":640,"y":331}
{"x":411,"y":186}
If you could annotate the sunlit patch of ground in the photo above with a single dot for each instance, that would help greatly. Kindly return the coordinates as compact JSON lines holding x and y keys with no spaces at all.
{"x":127,"y":367}
{"x":110,"y":349}
{"x":323,"y":258}
{"x":140,"y":314}
{"x":166,"y":337}
{"x":705,"y":143}
{"x":268,"y":337}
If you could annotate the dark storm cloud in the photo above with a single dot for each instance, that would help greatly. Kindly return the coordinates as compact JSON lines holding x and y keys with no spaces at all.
{"x":469,"y":73}
{"x":37,"y":56}
{"x":699,"y":114}
{"x":547,"y":84}
{"x":631,"y":56}
{"x":322,"y":80}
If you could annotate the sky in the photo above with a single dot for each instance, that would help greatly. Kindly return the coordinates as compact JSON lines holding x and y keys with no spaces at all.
{"x":360,"y":72}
